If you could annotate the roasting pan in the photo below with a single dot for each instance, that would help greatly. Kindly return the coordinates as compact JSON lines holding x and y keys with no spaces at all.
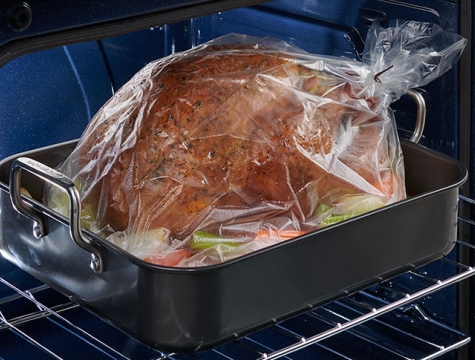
{"x":191,"y":309}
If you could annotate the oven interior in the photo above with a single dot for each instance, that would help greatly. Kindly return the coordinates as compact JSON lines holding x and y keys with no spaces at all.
{"x":61,"y":63}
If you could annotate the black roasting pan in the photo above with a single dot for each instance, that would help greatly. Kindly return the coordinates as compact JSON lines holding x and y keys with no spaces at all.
{"x":190,"y":309}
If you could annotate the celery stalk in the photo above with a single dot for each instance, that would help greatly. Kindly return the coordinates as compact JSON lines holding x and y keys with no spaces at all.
{"x":201,"y":240}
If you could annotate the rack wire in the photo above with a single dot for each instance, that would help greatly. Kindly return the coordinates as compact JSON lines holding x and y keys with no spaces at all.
{"x":386,"y":321}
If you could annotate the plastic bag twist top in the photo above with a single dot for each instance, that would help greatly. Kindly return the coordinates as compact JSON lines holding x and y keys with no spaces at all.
{"x":408,"y":54}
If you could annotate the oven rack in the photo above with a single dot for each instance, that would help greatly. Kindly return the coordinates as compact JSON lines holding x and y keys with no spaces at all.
{"x":385,"y":321}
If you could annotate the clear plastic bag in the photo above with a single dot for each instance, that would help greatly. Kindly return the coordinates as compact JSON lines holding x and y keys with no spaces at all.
{"x":242,"y":142}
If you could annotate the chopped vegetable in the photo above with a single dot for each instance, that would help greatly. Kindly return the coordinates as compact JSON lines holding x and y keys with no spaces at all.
{"x":333,"y":219}
{"x":172,"y":258}
{"x":279,"y":235}
{"x":348,"y":207}
{"x":202,"y":240}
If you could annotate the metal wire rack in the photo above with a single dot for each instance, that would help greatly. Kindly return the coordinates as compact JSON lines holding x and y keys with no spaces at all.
{"x":386,"y":321}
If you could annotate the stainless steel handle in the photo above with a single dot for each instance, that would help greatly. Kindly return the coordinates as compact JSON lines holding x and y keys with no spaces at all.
{"x":66,"y":184}
{"x":421,"y":114}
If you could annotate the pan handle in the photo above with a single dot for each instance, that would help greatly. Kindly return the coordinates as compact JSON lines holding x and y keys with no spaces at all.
{"x":66,"y":184}
{"x":421,"y":114}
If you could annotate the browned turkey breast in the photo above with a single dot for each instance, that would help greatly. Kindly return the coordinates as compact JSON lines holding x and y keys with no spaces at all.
{"x":231,"y":140}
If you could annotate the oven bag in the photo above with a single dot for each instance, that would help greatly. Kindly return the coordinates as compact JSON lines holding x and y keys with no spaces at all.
{"x":243,"y":142}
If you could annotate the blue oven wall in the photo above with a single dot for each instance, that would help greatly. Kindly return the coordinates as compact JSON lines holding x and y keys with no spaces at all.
{"x":48,"y":97}
{"x":127,"y":54}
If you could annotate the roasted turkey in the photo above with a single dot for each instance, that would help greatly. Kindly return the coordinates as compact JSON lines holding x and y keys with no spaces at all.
{"x":233,"y":140}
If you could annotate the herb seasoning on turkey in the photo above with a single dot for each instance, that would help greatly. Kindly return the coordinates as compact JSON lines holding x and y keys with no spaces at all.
{"x":229,"y":147}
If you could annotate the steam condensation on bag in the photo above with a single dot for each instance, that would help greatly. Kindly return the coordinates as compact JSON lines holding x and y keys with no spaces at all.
{"x":242,"y":142}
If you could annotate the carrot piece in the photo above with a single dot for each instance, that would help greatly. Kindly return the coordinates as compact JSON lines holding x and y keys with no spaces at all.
{"x":283,"y":235}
